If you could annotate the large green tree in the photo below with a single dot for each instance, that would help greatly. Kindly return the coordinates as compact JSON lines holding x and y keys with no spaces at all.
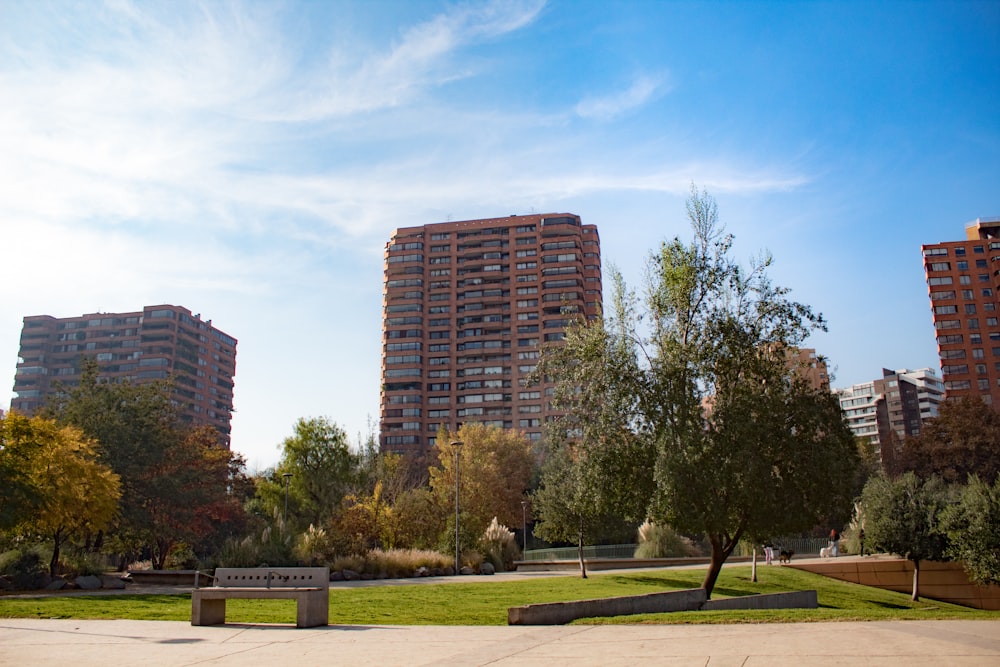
{"x":963,"y":440}
{"x":738,"y":443}
{"x":76,"y":492}
{"x":904,"y":516}
{"x":320,"y":469}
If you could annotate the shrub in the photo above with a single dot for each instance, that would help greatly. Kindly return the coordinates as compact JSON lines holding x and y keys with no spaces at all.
{"x":500,"y":546}
{"x":657,"y":541}
{"x":27,"y":571}
{"x":80,"y":563}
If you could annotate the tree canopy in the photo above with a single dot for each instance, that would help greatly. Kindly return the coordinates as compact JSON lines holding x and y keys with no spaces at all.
{"x":177,"y":483}
{"x":321,"y":470}
{"x":973,"y":528}
{"x":963,"y":440}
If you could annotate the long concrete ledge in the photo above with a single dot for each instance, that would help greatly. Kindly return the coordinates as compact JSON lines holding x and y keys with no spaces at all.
{"x":791,"y":600}
{"x":597,"y":564}
{"x":559,"y":613}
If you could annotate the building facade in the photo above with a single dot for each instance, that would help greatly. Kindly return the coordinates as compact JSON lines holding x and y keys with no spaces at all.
{"x":892,"y":407}
{"x":963,"y":278}
{"x":467,"y":308}
{"x":157,"y":343}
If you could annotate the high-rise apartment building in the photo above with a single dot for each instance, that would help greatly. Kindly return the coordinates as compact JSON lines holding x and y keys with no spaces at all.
{"x":811,"y":367}
{"x":896,"y":404}
{"x":158,"y":343}
{"x":467,"y":308}
{"x":963,"y":279}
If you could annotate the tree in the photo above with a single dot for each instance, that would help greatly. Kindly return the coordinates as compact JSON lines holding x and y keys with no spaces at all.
{"x":191,"y":493}
{"x":963,"y":440}
{"x":903,"y":516}
{"x":580,"y":492}
{"x":321,"y":471}
{"x":77,"y":493}
{"x":569,"y":503}
{"x":495,"y":471}
{"x":737,"y":442}
{"x":973,"y":528}
{"x":134,"y":427}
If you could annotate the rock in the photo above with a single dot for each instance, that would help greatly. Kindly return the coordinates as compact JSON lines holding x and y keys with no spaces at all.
{"x":367,"y":576}
{"x":56,"y":584}
{"x":88,"y":582}
{"x":337,"y":576}
{"x":6,"y":584}
{"x":422,"y":571}
{"x":467,"y":570}
{"x":449,"y":571}
{"x":487,"y":568}
{"x":437,"y":572}
{"x":382,"y":575}
{"x":112,"y":581}
{"x":351,"y":575}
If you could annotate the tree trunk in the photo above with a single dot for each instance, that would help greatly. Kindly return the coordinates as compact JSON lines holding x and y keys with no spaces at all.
{"x":753,"y":569}
{"x":715,"y":566}
{"x":56,"y":544}
{"x":579,"y":550}
{"x":916,"y":581}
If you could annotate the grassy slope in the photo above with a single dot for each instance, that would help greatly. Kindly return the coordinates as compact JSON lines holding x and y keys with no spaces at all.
{"x":486,"y":603}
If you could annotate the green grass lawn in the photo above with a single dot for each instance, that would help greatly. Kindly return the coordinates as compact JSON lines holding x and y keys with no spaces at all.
{"x":486,"y":603}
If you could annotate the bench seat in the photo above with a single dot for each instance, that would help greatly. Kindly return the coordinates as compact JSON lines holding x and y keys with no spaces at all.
{"x":208,"y":605}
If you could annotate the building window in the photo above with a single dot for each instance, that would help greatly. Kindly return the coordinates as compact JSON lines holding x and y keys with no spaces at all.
{"x":940,"y":266}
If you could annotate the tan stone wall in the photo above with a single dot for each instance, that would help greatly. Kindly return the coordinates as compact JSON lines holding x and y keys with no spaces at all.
{"x":938,"y":581}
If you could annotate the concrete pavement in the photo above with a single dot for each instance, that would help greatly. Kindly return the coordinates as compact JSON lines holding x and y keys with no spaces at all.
{"x":100,"y":643}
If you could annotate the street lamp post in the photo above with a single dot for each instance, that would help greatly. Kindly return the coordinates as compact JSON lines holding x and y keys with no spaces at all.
{"x":288,"y":477}
{"x":457,"y":445}
{"x":524,"y":526}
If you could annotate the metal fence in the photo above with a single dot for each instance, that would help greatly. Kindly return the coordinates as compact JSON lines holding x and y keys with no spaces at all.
{"x":571,"y":553}
{"x":803,"y":546}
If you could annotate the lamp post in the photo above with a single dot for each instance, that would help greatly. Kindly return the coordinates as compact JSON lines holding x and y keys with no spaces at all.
{"x":288,"y":478}
{"x":457,"y":445}
{"x":524,"y":527}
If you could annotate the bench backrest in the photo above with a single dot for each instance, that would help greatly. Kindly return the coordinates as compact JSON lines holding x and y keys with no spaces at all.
{"x":273,"y":577}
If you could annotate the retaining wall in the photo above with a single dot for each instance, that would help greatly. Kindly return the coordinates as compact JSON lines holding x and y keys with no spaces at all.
{"x":938,"y":581}
{"x":558,"y":613}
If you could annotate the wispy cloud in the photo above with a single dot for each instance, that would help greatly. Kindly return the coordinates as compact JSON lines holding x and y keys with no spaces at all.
{"x":644,"y":88}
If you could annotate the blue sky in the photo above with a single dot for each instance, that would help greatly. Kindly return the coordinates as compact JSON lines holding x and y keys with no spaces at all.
{"x":249,"y":160}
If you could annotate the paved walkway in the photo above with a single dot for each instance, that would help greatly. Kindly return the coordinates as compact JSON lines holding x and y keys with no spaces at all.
{"x":910,"y":643}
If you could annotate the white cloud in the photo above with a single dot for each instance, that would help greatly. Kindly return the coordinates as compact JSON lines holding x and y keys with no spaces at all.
{"x":643,"y":89}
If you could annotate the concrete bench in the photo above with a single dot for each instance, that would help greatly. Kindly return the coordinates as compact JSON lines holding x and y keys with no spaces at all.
{"x":308,"y":586}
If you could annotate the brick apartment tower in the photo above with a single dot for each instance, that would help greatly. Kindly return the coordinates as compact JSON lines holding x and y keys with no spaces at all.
{"x":157,"y":343}
{"x":963,"y":279}
{"x":467,"y":308}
